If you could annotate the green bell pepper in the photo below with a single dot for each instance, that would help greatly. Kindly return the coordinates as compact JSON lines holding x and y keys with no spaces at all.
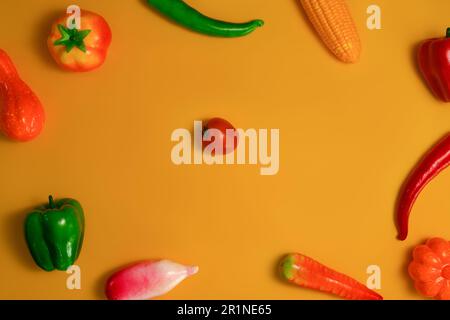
{"x":54,"y":233}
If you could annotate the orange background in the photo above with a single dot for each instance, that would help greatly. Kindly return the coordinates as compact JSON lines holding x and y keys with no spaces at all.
{"x":349,"y":135}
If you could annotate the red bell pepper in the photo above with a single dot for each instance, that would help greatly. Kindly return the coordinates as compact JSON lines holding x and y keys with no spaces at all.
{"x":434,"y":62}
{"x":437,"y":159}
{"x":80,"y":50}
{"x":22,"y":116}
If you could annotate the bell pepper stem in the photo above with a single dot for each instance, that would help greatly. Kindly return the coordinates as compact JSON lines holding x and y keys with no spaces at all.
{"x":51,"y":203}
{"x":448,"y":32}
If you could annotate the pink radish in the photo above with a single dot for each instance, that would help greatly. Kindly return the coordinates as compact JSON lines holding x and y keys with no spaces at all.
{"x":146,"y":280}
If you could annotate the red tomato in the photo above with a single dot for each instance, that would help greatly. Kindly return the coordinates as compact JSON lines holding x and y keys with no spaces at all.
{"x":221,"y":125}
{"x":80,"y":50}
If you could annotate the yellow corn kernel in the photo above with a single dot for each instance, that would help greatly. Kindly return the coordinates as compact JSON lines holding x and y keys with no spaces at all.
{"x":333,"y":22}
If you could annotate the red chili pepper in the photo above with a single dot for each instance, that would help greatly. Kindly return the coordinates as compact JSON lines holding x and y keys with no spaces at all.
{"x":434,"y":62}
{"x":437,"y":159}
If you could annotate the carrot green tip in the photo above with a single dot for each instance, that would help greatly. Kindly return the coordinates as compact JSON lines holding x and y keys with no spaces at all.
{"x":287,"y":267}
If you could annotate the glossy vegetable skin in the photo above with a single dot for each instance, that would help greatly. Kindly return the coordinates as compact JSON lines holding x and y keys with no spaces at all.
{"x":434,"y":162}
{"x":80,"y":50}
{"x":183,"y":14}
{"x":334,"y":24}
{"x":54,"y":234}
{"x":308,"y":273}
{"x":228,"y":141}
{"x":434,"y":62}
{"x":22,"y":116}
{"x":146,"y":280}
{"x":430,"y":269}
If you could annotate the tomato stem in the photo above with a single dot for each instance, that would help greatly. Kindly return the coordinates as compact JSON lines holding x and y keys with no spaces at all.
{"x":71,"y":38}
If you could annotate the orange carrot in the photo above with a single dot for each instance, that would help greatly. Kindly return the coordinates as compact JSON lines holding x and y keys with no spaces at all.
{"x":308,"y":273}
{"x":335,"y":26}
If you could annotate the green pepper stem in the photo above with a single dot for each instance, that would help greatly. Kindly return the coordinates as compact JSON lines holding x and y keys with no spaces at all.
{"x":448,"y":32}
{"x":51,"y":204}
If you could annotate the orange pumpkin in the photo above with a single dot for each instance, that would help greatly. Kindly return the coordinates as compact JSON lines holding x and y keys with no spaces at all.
{"x":430,"y":268}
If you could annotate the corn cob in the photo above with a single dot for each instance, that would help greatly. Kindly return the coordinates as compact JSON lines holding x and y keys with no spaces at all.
{"x":335,"y":26}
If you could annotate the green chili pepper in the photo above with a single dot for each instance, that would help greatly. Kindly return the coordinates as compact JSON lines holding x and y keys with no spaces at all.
{"x":54,"y":233}
{"x":187,"y":16}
